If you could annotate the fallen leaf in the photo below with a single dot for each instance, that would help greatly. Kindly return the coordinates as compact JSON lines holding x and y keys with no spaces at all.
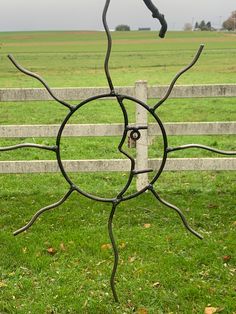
{"x":212,"y":206}
{"x":24,"y":250}
{"x":226,"y":258}
{"x":132,"y":259}
{"x":106,"y":246}
{"x":122,"y":245}
{"x":51,"y":251}
{"x":142,"y":311}
{"x":2,"y":284}
{"x":62,"y":247}
{"x":147,"y":226}
{"x":156,"y":284}
{"x":212,"y":310}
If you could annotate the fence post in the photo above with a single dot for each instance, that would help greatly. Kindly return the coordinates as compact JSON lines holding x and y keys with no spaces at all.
{"x":141,"y":93}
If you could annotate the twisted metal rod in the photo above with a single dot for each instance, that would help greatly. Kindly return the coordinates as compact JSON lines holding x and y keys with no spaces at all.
{"x":41,"y":211}
{"x":115,"y":250}
{"x":40,"y":79}
{"x":109,"y":46}
{"x":8,"y":148}
{"x":156,"y":14}
{"x":178,"y":75}
{"x":184,"y":220}
{"x":120,"y":147}
{"x":211,"y":149}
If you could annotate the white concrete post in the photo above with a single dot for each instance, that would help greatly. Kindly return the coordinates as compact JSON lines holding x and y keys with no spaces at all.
{"x":141,"y":93}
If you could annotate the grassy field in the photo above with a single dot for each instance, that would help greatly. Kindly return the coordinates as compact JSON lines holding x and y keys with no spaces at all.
{"x":76,"y":59}
{"x":63,"y":264}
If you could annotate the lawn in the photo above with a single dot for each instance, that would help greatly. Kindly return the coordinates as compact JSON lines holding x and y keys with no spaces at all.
{"x":76,"y":58}
{"x":63,"y":264}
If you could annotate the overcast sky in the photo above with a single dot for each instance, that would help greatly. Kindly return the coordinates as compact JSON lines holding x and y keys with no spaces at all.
{"x":86,"y":14}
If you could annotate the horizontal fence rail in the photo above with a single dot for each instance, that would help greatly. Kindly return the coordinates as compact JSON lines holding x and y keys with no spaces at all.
{"x":115,"y":165}
{"x":140,"y":91}
{"x":72,"y":93}
{"x":96,"y":130}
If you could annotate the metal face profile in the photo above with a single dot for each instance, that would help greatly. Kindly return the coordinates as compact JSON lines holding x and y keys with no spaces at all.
{"x":135,"y":134}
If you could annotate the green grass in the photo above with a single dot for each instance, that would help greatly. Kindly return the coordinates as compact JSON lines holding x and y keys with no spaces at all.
{"x":174,"y":110}
{"x":107,"y":147}
{"x":192,"y":274}
{"x":71,"y":58}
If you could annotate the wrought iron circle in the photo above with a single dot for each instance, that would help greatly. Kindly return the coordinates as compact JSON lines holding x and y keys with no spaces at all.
{"x":126,"y":129}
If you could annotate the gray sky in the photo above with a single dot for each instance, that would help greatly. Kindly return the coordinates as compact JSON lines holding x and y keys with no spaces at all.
{"x":86,"y":14}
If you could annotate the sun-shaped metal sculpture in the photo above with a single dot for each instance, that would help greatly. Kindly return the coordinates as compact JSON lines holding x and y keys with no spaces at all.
{"x":129,"y":129}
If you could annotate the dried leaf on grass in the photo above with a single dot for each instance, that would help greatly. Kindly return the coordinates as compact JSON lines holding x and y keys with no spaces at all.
{"x":156,"y":284}
{"x":122,"y":245}
{"x":24,"y":250}
{"x":213,"y":206}
{"x":2,"y":284}
{"x":142,"y":311}
{"x":132,"y":259}
{"x":51,"y":251}
{"x":147,"y":226}
{"x":62,"y":247}
{"x":226,"y":258}
{"x":212,"y":310}
{"x":106,"y":246}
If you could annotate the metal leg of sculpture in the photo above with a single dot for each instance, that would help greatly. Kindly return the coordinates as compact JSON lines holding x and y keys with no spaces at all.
{"x":115,"y":250}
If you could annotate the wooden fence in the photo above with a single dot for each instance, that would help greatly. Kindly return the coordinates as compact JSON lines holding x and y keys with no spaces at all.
{"x":140,"y":91}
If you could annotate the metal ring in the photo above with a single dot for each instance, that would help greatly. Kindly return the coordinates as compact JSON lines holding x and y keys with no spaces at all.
{"x":135,"y":135}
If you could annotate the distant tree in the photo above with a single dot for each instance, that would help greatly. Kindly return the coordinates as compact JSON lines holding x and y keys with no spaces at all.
{"x":188,"y":27}
{"x":230,"y":23}
{"x":208,"y":26}
{"x":202,"y":25}
{"x":122,"y":28}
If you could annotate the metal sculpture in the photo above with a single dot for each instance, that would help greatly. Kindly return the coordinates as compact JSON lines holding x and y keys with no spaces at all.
{"x":135,"y":134}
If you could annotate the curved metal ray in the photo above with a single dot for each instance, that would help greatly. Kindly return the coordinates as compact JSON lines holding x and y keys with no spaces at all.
{"x":184,"y":220}
{"x":197,"y":56}
{"x":26,"y":145}
{"x":115,"y":250}
{"x":41,"y":211}
{"x":211,"y":149}
{"x":37,"y":77}
{"x":109,"y":46}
